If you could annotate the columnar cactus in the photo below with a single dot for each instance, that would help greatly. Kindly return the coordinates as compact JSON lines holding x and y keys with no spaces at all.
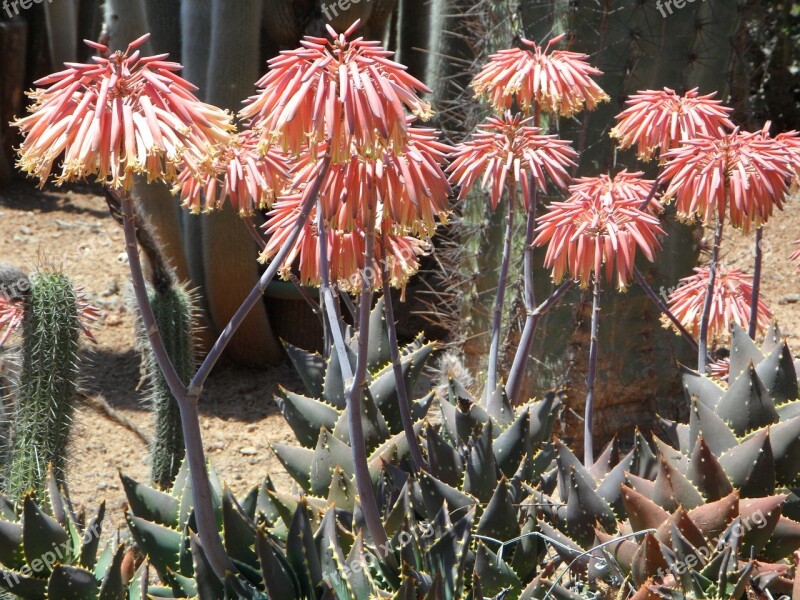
{"x":48,"y":383}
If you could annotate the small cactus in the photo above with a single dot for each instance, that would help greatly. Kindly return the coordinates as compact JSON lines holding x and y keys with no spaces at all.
{"x":173,"y":307}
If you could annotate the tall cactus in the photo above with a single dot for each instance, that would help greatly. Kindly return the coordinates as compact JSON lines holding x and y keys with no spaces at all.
{"x":48,"y":383}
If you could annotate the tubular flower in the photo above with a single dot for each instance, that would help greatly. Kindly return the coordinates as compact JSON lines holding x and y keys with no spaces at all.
{"x":125,"y":114}
{"x":661,"y":120}
{"x":239,"y":171}
{"x":599,"y":224}
{"x":743,"y":174}
{"x":339,"y":89}
{"x":790,"y":141}
{"x":345,"y":250}
{"x":410,"y":184}
{"x":508,"y":144}
{"x":731,"y":301}
{"x":558,"y":82}
{"x":11,"y":314}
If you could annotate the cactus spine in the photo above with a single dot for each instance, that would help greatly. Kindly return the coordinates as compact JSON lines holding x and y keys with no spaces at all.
{"x":48,"y":383}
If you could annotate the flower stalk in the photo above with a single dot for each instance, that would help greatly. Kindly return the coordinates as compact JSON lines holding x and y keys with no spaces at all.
{"x":588,"y":447}
{"x":759,"y":259}
{"x":702,"y":351}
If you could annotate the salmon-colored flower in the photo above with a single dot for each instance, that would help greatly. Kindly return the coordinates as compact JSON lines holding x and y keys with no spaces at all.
{"x":558,"y":82}
{"x":741,"y":174}
{"x":790,"y":141}
{"x":720,"y":368}
{"x":510,"y":145}
{"x":408,"y":182}
{"x":122,"y":115}
{"x":341,"y":89}
{"x":11,"y":314}
{"x":346,"y":250}
{"x":662,"y":119}
{"x":731,"y":303}
{"x":240,"y":171}
{"x":599,"y":224}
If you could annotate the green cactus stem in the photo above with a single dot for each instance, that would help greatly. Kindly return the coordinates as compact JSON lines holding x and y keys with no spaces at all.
{"x":48,"y":383}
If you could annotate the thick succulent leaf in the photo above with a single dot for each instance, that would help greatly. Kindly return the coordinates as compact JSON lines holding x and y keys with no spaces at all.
{"x":610,"y":489}
{"x":746,"y":404}
{"x":565,"y":462}
{"x":499,"y":520}
{"x":206,"y":582}
{"x":11,"y":552}
{"x":529,"y":550}
{"x":585,"y":509}
{"x":297,"y":461}
{"x":333,"y":386}
{"x":329,"y":454}
{"x":470,"y":418}
{"x":342,"y":493}
{"x":743,"y":352}
{"x":161,"y":544}
{"x":622,"y":550}
{"x":41,"y":534}
{"x":378,"y":343}
{"x":785,"y":441}
{"x":511,"y":445}
{"x":331,"y":556}
{"x":672,"y":488}
{"x":302,"y":553}
{"x":645,"y":463}
{"x":543,"y":416}
{"x":750,"y":466}
{"x":72,"y":583}
{"x":306,"y":416}
{"x":239,"y":531}
{"x":481,"y":472}
{"x":90,"y":541}
{"x":789,"y":410}
{"x":499,"y":408}
{"x":703,"y":421}
{"x":642,"y":485}
{"x":772,"y":338}
{"x":444,"y":461}
{"x":276,"y":571}
{"x":642,"y":512}
{"x":565,"y":547}
{"x":359,"y":577}
{"x":419,"y":408}
{"x":707,"y":474}
{"x":112,"y":586}
{"x":22,"y":584}
{"x":542,"y":589}
{"x":310,"y":366}
{"x":681,"y":521}
{"x":784,"y":541}
{"x":448,"y":555}
{"x":778,"y":374}
{"x":394,"y":451}
{"x":648,"y":560}
{"x":375,"y":429}
{"x":436,"y":492}
{"x":606,"y":460}
{"x":494,"y":574}
{"x":759,"y":517}
{"x":701,"y":388}
{"x":149,"y":503}
{"x":264,"y":505}
{"x":712,"y":519}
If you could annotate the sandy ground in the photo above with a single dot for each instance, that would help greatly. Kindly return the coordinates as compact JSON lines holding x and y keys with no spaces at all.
{"x":240,"y":420}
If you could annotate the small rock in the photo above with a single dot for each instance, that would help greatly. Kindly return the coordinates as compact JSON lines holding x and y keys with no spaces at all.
{"x":216,"y":446}
{"x":113,"y":320}
{"x":25,"y":230}
{"x":790,"y":299}
{"x":248,"y":451}
{"x":122,"y":257}
{"x":252,"y":428}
